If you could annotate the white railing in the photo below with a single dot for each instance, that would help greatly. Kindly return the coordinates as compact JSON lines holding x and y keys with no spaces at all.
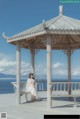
{"x":41,"y":85}
{"x":22,"y":85}
{"x":58,"y":89}
{"x":55,"y":86}
{"x":63,"y":88}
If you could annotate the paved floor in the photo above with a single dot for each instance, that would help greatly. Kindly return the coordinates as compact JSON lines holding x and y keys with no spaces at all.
{"x":36,"y":110}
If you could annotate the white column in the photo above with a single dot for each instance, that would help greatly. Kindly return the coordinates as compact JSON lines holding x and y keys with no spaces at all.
{"x":18,"y":66}
{"x":32,"y":61}
{"x":69,"y":68}
{"x":49,"y":73}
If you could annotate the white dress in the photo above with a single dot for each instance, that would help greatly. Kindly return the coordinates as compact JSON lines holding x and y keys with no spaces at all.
{"x":30,"y":87}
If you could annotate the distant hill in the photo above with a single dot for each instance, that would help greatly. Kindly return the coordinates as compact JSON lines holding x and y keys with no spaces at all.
{"x":2,"y":75}
{"x":39,"y":77}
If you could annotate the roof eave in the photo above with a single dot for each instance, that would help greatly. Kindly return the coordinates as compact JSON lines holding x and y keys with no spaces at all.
{"x":10,"y":40}
{"x":63,"y":31}
{"x":48,"y":31}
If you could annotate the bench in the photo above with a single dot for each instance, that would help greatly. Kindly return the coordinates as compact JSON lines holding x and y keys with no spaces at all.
{"x":22,"y":89}
{"x":61,"y":89}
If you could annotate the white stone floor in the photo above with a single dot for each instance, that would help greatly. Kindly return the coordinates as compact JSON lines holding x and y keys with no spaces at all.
{"x":36,"y":110}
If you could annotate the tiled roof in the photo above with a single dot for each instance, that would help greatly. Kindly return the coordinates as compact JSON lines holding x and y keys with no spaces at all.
{"x":60,"y":22}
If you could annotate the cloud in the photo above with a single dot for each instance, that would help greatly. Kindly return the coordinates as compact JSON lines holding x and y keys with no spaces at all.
{"x":6,"y":63}
{"x":59,"y":69}
{"x":25,"y":68}
{"x":56,"y":65}
{"x":8,"y":66}
{"x":40,"y":69}
{"x":1,"y":69}
{"x":76,"y":71}
{"x":60,"y":72}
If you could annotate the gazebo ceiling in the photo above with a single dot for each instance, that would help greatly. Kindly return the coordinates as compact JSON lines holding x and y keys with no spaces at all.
{"x":64,"y":31}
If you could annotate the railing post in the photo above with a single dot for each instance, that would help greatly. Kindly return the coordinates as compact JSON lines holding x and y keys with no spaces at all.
{"x":74,"y":101}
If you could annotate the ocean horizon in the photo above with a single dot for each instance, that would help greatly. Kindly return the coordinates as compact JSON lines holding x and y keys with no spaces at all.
{"x":6,"y":86}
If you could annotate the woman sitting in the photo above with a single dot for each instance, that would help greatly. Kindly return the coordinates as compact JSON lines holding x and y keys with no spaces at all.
{"x":31,"y":87}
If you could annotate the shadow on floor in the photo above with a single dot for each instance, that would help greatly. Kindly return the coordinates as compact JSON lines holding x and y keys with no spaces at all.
{"x":70,"y":99}
{"x":58,"y":99}
{"x":66,"y":106}
{"x":66,"y":99}
{"x":30,"y":101}
{"x":62,"y":106}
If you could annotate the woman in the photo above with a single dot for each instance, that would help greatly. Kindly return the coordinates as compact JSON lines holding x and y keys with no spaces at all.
{"x":30,"y":87}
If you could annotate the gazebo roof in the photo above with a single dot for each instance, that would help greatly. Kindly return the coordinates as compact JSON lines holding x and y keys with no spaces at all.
{"x":62,"y":29}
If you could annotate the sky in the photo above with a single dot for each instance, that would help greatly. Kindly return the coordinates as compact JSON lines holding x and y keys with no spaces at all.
{"x":19,"y":15}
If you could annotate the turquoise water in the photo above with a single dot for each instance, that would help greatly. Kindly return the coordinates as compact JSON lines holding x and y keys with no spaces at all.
{"x":7,"y":87}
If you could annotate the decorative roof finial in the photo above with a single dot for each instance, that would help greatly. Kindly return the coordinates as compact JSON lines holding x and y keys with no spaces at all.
{"x":4,"y":36}
{"x":44,"y":25}
{"x":43,"y":21}
{"x":60,"y":10}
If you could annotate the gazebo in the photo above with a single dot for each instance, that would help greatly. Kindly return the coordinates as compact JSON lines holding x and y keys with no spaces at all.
{"x":59,"y":33}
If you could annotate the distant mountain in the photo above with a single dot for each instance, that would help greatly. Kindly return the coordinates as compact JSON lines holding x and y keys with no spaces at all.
{"x":2,"y":75}
{"x":39,"y":77}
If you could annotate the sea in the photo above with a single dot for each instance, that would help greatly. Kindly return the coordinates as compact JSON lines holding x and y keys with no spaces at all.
{"x":6,"y":87}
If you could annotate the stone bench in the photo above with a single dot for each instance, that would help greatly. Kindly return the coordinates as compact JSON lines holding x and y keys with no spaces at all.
{"x":22,"y":89}
{"x":61,"y":89}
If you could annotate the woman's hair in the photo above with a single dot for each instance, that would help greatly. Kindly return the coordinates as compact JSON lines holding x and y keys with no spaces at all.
{"x":30,"y":75}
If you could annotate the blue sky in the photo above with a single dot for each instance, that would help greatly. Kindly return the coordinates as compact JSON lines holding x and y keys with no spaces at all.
{"x":19,"y":15}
